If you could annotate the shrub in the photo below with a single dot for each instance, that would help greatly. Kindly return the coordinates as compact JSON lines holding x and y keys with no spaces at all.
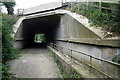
{"x":8,"y":51}
{"x":6,"y":74}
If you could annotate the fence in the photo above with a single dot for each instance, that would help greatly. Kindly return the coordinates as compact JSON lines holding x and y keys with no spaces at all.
{"x":91,"y":57}
{"x":87,"y":2}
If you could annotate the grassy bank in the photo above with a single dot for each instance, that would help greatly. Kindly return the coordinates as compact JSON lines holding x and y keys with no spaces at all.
{"x":108,"y":19}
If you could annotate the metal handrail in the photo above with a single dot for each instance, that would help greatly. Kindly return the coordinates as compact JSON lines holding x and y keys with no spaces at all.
{"x":113,"y":63}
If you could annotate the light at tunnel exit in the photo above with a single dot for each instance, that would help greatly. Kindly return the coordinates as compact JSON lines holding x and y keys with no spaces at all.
{"x":39,"y":38}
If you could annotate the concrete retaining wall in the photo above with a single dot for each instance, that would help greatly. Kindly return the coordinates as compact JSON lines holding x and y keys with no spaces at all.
{"x":71,"y":28}
{"x":102,"y":52}
{"x":74,"y":35}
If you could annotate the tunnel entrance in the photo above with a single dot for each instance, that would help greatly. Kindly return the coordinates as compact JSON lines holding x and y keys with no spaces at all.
{"x":34,"y":28}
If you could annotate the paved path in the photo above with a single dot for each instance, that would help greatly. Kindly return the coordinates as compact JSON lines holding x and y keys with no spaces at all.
{"x":35,"y":63}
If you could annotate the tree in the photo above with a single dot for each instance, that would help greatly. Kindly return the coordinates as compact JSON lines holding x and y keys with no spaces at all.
{"x":10,"y":7}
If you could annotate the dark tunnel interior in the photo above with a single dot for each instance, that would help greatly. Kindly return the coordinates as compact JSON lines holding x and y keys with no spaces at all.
{"x":41,"y":25}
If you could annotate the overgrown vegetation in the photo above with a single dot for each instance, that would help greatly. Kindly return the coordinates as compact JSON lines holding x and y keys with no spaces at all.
{"x":0,"y":46}
{"x":6,"y":74}
{"x":109,"y":19}
{"x":8,"y":51}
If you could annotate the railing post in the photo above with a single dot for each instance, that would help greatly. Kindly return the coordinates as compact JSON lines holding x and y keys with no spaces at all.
{"x":90,"y":65}
{"x":55,"y":47}
{"x":61,"y":49}
{"x":71,"y":63}
{"x":71,"y":54}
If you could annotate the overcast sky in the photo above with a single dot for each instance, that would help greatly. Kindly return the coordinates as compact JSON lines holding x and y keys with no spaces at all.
{"x":23,"y":4}
{"x":31,"y":3}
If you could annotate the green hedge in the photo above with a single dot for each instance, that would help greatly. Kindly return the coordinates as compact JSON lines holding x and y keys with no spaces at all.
{"x":8,"y":51}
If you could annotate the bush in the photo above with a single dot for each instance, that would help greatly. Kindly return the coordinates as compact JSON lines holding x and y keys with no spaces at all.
{"x":8,"y":51}
{"x":6,"y":74}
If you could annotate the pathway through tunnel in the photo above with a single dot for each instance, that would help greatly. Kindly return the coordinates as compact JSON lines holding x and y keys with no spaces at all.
{"x":35,"y":62}
{"x":47,"y":26}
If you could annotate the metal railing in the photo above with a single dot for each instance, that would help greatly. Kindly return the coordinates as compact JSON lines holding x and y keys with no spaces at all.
{"x":88,"y":4}
{"x":60,"y":48}
{"x":55,"y":46}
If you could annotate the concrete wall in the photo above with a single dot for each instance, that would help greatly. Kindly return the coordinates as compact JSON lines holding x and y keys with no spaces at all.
{"x":71,"y":28}
{"x":20,"y":44}
{"x":68,"y":35}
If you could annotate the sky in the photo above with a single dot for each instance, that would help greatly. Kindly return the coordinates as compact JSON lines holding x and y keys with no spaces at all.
{"x":31,"y":3}
{"x":24,"y":4}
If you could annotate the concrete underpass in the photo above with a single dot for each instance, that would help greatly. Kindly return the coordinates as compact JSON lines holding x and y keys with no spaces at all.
{"x":41,"y":25}
{"x":35,"y":60}
{"x":77,"y":48}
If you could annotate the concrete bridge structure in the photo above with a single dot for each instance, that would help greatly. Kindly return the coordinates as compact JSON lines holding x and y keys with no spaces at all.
{"x":76,"y":45}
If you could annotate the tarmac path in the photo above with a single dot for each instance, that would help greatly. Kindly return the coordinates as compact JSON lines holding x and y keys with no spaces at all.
{"x":35,"y":63}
